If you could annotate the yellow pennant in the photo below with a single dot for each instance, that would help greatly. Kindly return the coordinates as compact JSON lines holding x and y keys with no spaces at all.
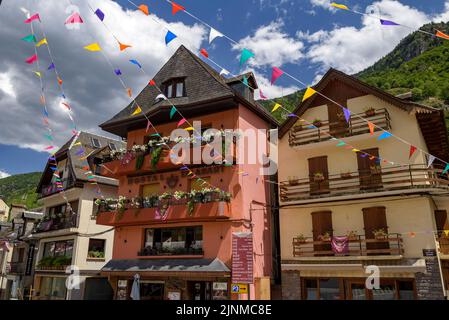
{"x":276,"y":106}
{"x":77,"y":144}
{"x":446,"y":232}
{"x":37,"y":73}
{"x":93,"y":47}
{"x":43,"y":41}
{"x":137,"y":111}
{"x":355,"y":150}
{"x":309,"y":92}
{"x":339,"y":6}
{"x":189,"y":129}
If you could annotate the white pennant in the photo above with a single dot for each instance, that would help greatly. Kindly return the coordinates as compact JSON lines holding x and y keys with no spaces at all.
{"x":161,"y":96}
{"x":431,"y":160}
{"x":224,"y":72}
{"x":214,"y":34}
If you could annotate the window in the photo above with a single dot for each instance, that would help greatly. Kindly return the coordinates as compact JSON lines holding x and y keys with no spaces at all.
{"x":174,"y":241}
{"x":174,"y":88}
{"x":96,"y":143}
{"x":196,"y":185}
{"x":112,"y":146}
{"x":53,"y":288}
{"x":58,"y":248}
{"x":149,"y":190}
{"x":21,"y":255}
{"x":96,"y":248}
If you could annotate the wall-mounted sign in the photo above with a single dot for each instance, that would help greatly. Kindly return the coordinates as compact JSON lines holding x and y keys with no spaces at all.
{"x":239,"y":288}
{"x":174,"y":295}
{"x":220,"y":291}
{"x":242,"y":257}
{"x":429,"y":252}
{"x":122,"y":289}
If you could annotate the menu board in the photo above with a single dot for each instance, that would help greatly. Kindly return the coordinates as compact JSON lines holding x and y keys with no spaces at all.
{"x":242,"y":257}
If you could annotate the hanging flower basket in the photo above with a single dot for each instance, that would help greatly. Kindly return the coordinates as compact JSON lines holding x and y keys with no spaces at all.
{"x":318,"y":177}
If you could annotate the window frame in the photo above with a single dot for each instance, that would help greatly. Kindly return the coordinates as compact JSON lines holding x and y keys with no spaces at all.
{"x":173,"y":83}
{"x":93,"y":139}
{"x":89,"y":248}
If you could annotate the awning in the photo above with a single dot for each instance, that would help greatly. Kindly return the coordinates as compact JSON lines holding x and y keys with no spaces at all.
{"x":166,"y":265}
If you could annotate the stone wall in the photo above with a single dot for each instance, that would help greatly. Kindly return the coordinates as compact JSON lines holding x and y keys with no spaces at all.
{"x":428,"y":285}
{"x":291,"y":285}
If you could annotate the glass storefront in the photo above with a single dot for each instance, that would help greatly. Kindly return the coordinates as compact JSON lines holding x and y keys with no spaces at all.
{"x":53,"y":288}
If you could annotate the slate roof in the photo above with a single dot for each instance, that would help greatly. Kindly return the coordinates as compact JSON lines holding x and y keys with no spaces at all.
{"x":169,"y":265}
{"x":202,"y":84}
{"x":74,"y":160}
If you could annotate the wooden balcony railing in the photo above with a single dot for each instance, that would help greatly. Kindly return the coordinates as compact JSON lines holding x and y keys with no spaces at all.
{"x":306,"y":134}
{"x":359,"y":245}
{"x":364,"y":181}
{"x":443,"y":241}
{"x":58,"y":223}
{"x":50,"y":189}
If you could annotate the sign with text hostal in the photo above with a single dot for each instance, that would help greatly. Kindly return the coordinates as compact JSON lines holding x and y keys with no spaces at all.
{"x":242,"y":257}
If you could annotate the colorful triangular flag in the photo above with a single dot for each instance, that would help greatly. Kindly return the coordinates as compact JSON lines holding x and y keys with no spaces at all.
{"x":384,"y":135}
{"x":93,"y":47}
{"x":214,"y":34}
{"x":340,"y":6}
{"x":309,"y":92}
{"x":144,"y":9}
{"x":74,"y":18}
{"x":43,"y":41}
{"x":31,"y":59}
{"x":30,"y":38}
{"x":412,"y":151}
{"x":204,"y":53}
{"x":388,"y":23}
{"x":176,"y":8}
{"x":275,"y":74}
{"x":245,"y":56}
{"x":32,"y":18}
{"x":276,"y":106}
{"x":431,"y":160}
{"x":347,"y":114}
{"x":371,"y":128}
{"x":99,"y":14}
{"x":172,"y":111}
{"x":123,"y":46}
{"x":169,"y":37}
{"x":133,"y":61}
{"x":137,"y":111}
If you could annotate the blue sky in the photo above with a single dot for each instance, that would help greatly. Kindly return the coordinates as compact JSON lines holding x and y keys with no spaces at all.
{"x":303,"y":37}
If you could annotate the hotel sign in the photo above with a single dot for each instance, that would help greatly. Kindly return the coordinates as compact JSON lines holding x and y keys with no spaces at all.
{"x":242,"y":257}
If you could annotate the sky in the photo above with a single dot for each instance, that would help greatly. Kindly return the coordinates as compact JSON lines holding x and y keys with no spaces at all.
{"x":303,"y":37}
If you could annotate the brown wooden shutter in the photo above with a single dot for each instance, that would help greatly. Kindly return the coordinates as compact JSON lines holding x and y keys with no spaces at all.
{"x":375,"y":218}
{"x":318,"y":165}
{"x":441,"y":220}
{"x":321,"y":223}
{"x":337,"y":122}
{"x":370,"y":175}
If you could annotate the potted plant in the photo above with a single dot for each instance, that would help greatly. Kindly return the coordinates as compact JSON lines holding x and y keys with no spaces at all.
{"x":156,"y":153}
{"x":293,"y":181}
{"x":197,"y":196}
{"x":370,"y":112}
{"x":301,"y":238}
{"x":178,"y":195}
{"x":352,"y":235}
{"x":325,"y":237}
{"x":317,"y":123}
{"x":346,"y":175}
{"x":318,"y":177}
{"x":380,"y":234}
{"x":165,"y":196}
{"x":208,"y":194}
{"x":136,"y":203}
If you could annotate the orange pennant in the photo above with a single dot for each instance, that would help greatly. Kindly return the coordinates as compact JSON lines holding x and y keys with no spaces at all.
{"x":176,"y":8}
{"x":442,"y":35}
{"x":371,"y":128}
{"x":130,"y":92}
{"x":144,"y":9}
{"x":43,"y":100}
{"x":60,"y":81}
{"x":123,"y":46}
{"x":85,"y":168}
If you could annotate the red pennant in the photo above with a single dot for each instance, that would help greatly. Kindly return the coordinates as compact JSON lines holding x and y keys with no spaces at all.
{"x":176,"y":8}
{"x":204,"y":53}
{"x":66,"y":105}
{"x":181,"y":122}
{"x":412,"y":151}
{"x":59,"y":81}
{"x":371,"y":128}
{"x":152,"y":83}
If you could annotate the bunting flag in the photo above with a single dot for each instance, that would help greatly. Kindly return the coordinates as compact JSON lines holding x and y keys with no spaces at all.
{"x":347,"y":114}
{"x":152,"y":83}
{"x":30,"y":38}
{"x":31,"y":59}
{"x":161,"y":96}
{"x":276,"y":106}
{"x":431,"y":160}
{"x":262,"y":96}
{"x":292,"y":115}
{"x":32,"y":18}
{"x":59,"y":81}
{"x":446,"y":169}
{"x":42,"y":100}
{"x":214,"y":34}
{"x":204,"y":53}
{"x":181,"y":122}
{"x":412,"y":151}
{"x":123,"y":46}
{"x":130,"y":92}
{"x":309,"y":92}
{"x":176,"y":8}
{"x":49,"y":148}
{"x":169,"y":37}
{"x":189,"y":129}
{"x":148,"y":126}
{"x":339,"y":6}
{"x":388,"y":23}
{"x":74,"y":18}
{"x":384,"y":135}
{"x":51,"y":66}
{"x":275,"y":74}
{"x":446,"y":232}
{"x":172,"y":111}
{"x":245,"y":56}
{"x":442,"y":35}
{"x":37,"y":73}
{"x":99,"y":14}
{"x":245,"y":81}
{"x":137,"y":111}
{"x":136,"y":63}
{"x":224,"y":72}
{"x":66,"y":105}
{"x":43,"y":41}
{"x":144,"y":9}
{"x":371,"y":128}
{"x":341,"y":144}
{"x":118,"y":72}
{"x":93,"y":47}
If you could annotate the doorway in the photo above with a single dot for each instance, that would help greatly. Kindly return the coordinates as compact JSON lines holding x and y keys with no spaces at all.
{"x":199,"y":290}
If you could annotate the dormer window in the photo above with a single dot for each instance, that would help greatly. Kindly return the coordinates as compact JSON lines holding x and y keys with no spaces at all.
{"x":113,"y":147}
{"x":96,"y":142}
{"x":174,"y":88}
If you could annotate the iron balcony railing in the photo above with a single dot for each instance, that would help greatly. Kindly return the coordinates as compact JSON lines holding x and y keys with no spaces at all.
{"x":357,"y":245}
{"x":58,"y":223}
{"x":323,"y":130}
{"x":376,"y":179}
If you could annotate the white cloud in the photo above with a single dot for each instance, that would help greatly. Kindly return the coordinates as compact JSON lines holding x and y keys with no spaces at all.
{"x":352,"y":49}
{"x":93,"y":90}
{"x":322,"y":3}
{"x":272,"y":91}
{"x":4,"y":174}
{"x":271,"y":46}
{"x":443,"y":17}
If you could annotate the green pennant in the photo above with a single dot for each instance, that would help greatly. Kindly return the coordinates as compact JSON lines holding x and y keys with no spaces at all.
{"x":246,"y":54}
{"x":172,"y":112}
{"x":245,"y":81}
{"x":30,"y":38}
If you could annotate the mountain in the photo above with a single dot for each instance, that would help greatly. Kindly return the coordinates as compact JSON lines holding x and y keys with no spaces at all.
{"x":21,"y":189}
{"x":419,"y":64}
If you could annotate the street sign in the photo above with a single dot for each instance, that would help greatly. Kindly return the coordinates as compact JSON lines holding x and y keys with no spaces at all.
{"x":239,"y":288}
{"x":242,"y":257}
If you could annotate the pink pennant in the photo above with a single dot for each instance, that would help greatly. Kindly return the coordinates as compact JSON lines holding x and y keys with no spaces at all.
{"x":181,"y":122}
{"x":276,"y":73}
{"x":32,"y":18}
{"x":31,"y":59}
{"x":74,"y":18}
{"x":66,"y":105}
{"x":262,"y":96}
{"x":49,"y":148}
{"x":148,"y":126}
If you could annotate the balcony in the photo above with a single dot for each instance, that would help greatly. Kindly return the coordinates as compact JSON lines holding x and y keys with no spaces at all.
{"x":412,"y":177}
{"x":50,"y":189}
{"x":307,"y":134}
{"x":170,"y":249}
{"x":58,"y":263}
{"x":158,"y":211}
{"x":58,"y":223}
{"x":16,"y":268}
{"x":391,"y":244}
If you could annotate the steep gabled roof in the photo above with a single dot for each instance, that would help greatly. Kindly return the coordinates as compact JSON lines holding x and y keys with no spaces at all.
{"x":203,"y":85}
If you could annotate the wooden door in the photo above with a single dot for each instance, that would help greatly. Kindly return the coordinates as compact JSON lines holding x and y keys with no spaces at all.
{"x":317,"y":167}
{"x":370,"y":174}
{"x":375,"y":218}
{"x":337,"y":122}
{"x":322,"y":223}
